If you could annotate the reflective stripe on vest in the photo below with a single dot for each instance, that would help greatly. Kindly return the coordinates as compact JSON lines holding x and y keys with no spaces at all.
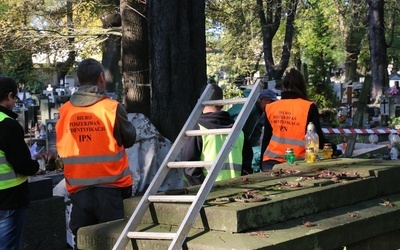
{"x":93,"y":159}
{"x":8,"y":178}
{"x":94,"y":181}
{"x":211,"y":146}
{"x":4,"y":166}
{"x":288,"y":119}
{"x":88,"y":149}
{"x":287,"y":141}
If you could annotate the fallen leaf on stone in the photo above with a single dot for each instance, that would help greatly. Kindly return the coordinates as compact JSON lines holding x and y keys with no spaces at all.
{"x":309,"y":224}
{"x":352,"y":215}
{"x":335,"y":179}
{"x":297,"y":184}
{"x":387,"y":204}
{"x":306,"y":178}
{"x":259,"y":234}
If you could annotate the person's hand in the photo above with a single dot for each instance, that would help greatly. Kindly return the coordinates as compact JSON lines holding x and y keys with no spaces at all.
{"x":33,"y":151}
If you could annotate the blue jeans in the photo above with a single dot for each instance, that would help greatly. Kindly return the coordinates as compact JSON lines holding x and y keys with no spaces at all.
{"x":11,"y":228}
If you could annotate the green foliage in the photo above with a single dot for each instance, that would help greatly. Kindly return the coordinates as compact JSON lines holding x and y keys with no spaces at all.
{"x":231,"y":91}
{"x":19,"y":67}
{"x":392,"y":12}
{"x":46,"y":28}
{"x":319,"y":52}
{"x":394,"y":122}
{"x":233,"y":38}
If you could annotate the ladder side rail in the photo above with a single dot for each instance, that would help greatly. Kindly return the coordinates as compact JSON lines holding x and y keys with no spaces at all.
{"x":162,"y":172}
{"x":207,"y":185}
{"x":224,"y":102}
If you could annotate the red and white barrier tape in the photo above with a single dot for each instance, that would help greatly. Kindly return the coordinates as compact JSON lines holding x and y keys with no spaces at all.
{"x":358,"y":131}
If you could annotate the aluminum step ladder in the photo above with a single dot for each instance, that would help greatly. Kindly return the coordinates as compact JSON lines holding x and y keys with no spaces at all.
{"x":196,"y":201}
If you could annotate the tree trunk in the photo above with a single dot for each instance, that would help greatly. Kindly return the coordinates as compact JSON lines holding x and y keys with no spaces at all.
{"x":378,"y":48}
{"x":135,"y":57}
{"x":270,"y":22}
{"x":178,"y":61}
{"x":352,"y":20}
{"x":112,"y":51}
{"x":63,"y":67}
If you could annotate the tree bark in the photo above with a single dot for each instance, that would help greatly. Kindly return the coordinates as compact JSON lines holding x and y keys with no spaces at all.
{"x":378,"y":47}
{"x":178,"y":61}
{"x":135,"y":57}
{"x":112,"y":50}
{"x":352,"y":20}
{"x":63,"y":67}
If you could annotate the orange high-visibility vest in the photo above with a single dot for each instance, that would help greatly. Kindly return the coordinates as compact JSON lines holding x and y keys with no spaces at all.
{"x":88,"y":149}
{"x":288,"y":118}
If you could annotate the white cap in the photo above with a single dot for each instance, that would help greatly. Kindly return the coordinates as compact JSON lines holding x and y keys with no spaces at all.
{"x":310,"y":127}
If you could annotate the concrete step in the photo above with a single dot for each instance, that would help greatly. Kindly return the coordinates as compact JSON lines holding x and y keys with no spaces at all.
{"x":283,"y":203}
{"x":290,"y":195}
{"x":364,"y":225}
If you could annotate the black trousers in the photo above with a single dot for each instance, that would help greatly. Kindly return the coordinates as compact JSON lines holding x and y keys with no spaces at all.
{"x":95,"y":205}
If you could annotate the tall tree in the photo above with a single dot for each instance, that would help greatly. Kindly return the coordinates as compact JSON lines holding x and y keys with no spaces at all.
{"x":135,"y":57}
{"x":353,"y":24}
{"x":392,"y":13}
{"x":233,"y":38}
{"x":378,"y":47}
{"x":178,"y":61}
{"x":111,"y":19}
{"x":319,"y":49}
{"x":45,"y":29}
{"x":15,"y":55}
{"x":65,"y":66}
{"x":270,"y":14}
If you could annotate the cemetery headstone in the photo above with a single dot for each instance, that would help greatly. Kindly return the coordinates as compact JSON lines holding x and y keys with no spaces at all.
{"x":51,"y":135}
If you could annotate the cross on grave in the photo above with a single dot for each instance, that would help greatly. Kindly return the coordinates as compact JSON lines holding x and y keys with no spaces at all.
{"x":384,"y":102}
{"x":349,"y":104}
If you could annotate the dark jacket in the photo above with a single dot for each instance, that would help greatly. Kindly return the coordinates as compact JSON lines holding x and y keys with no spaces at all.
{"x":17,"y":153}
{"x":194,"y":144}
{"x":312,"y":116}
{"x":252,"y":128}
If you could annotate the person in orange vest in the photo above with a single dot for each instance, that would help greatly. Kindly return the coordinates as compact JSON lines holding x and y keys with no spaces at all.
{"x":286,"y":122}
{"x":15,"y":167}
{"x":92,"y":134}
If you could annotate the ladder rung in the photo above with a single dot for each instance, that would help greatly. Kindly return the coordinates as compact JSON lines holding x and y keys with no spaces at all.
{"x":151,"y":235}
{"x":172,"y":198}
{"x":220,"y":131}
{"x":224,"y":102}
{"x":189,"y":164}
